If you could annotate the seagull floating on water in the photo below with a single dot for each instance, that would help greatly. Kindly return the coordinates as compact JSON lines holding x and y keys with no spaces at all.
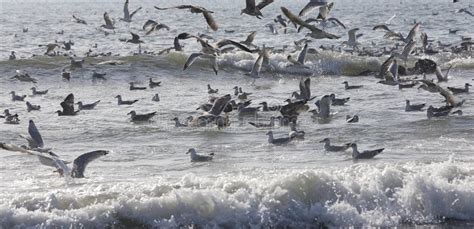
{"x":91,"y":106}
{"x":141,"y":117}
{"x":125,"y":102}
{"x":367,"y":154}
{"x":199,"y":158}
{"x":30,"y":107}
{"x":333,"y":148}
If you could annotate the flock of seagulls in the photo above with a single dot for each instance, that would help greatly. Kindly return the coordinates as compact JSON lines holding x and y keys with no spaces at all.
{"x":217,"y":111}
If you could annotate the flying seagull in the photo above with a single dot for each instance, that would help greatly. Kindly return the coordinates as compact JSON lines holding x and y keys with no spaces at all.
{"x":254,"y":10}
{"x":315,"y":32}
{"x":127,"y":16}
{"x":198,"y":10}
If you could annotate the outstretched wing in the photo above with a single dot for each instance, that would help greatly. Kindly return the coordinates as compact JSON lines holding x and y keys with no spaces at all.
{"x":148,"y":23}
{"x":263,"y":3}
{"x":134,"y":12}
{"x":81,"y":162}
{"x":35,"y":136}
{"x":225,"y":42}
{"x":107,"y":19}
{"x":302,"y":55}
{"x":210,"y":20}
{"x":311,"y":5}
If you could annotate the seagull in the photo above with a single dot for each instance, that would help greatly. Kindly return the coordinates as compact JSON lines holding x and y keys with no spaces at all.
{"x":68,"y":106}
{"x":249,"y":41}
{"x":272,"y":28}
{"x":199,"y":158}
{"x":352,"y":42}
{"x":281,"y":20}
{"x":127,"y":17}
{"x":338,"y":102}
{"x":315,"y":32}
{"x":49,"y":47}
{"x":209,"y":51}
{"x":347,"y":87}
{"x":432,"y":112}
{"x":257,"y":66}
{"x":407,"y":50}
{"x":294,"y":133}
{"x":177,"y":123}
{"x":460,"y":90}
{"x":30,"y":107}
{"x":368,"y":154}
{"x":194,"y":56}
{"x":301,"y":57}
{"x":213,"y":116}
{"x":134,"y":88}
{"x":324,"y":10}
{"x":305,"y":90}
{"x":17,"y":97}
{"x":254,"y":10}
{"x":76,"y":63}
{"x":154,"y":26}
{"x":264,"y":125}
{"x":153,"y":84}
{"x":109,"y":24}
{"x":135,"y":39}
{"x":35,"y":141}
{"x":331,"y":148}
{"x":23,"y":77}
{"x":12,"y":56}
{"x":199,"y":10}
{"x":311,"y":5}
{"x":277,"y":141}
{"x":36,"y":92}
{"x":141,"y":117}
{"x":125,"y":102}
{"x":79,"y":164}
{"x":78,"y":20}
{"x":451,"y":100}
{"x":210,"y":90}
{"x":91,"y":106}
{"x":415,"y":107}
{"x":465,"y":10}
{"x":98,"y":76}
{"x":66,"y":75}
{"x":353,"y":119}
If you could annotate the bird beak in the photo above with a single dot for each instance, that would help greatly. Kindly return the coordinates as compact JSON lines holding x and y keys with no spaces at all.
{"x":321,"y":141}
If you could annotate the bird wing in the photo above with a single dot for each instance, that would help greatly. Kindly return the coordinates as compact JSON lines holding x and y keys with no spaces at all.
{"x":80,"y":163}
{"x":412,"y":34}
{"x":408,"y":48}
{"x":302,"y":55}
{"x":382,"y":27}
{"x":107,"y":19}
{"x":210,"y":20}
{"x":310,"y":6}
{"x":134,"y":12}
{"x":258,"y":65}
{"x":450,"y":98}
{"x":135,"y":36}
{"x":148,"y":23}
{"x":225,"y":42}
{"x":250,"y":37}
{"x":126,"y":13}
{"x":68,"y":104}
{"x":219,"y":105}
{"x":263,"y":3}
{"x":250,"y":5}
{"x":352,"y":34}
{"x":298,"y":21}
{"x":336,"y":22}
{"x":177,"y":45}
{"x":193,"y":57}
{"x":35,"y":135}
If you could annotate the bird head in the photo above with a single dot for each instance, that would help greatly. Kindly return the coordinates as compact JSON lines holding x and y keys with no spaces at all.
{"x":191,"y":150}
{"x":132,"y":113}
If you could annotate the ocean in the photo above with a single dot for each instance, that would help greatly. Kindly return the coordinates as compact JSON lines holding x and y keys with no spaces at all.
{"x":424,"y":178}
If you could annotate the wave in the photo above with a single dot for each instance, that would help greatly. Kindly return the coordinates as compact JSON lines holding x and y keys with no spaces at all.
{"x":323,"y":62}
{"x":360,"y":195}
